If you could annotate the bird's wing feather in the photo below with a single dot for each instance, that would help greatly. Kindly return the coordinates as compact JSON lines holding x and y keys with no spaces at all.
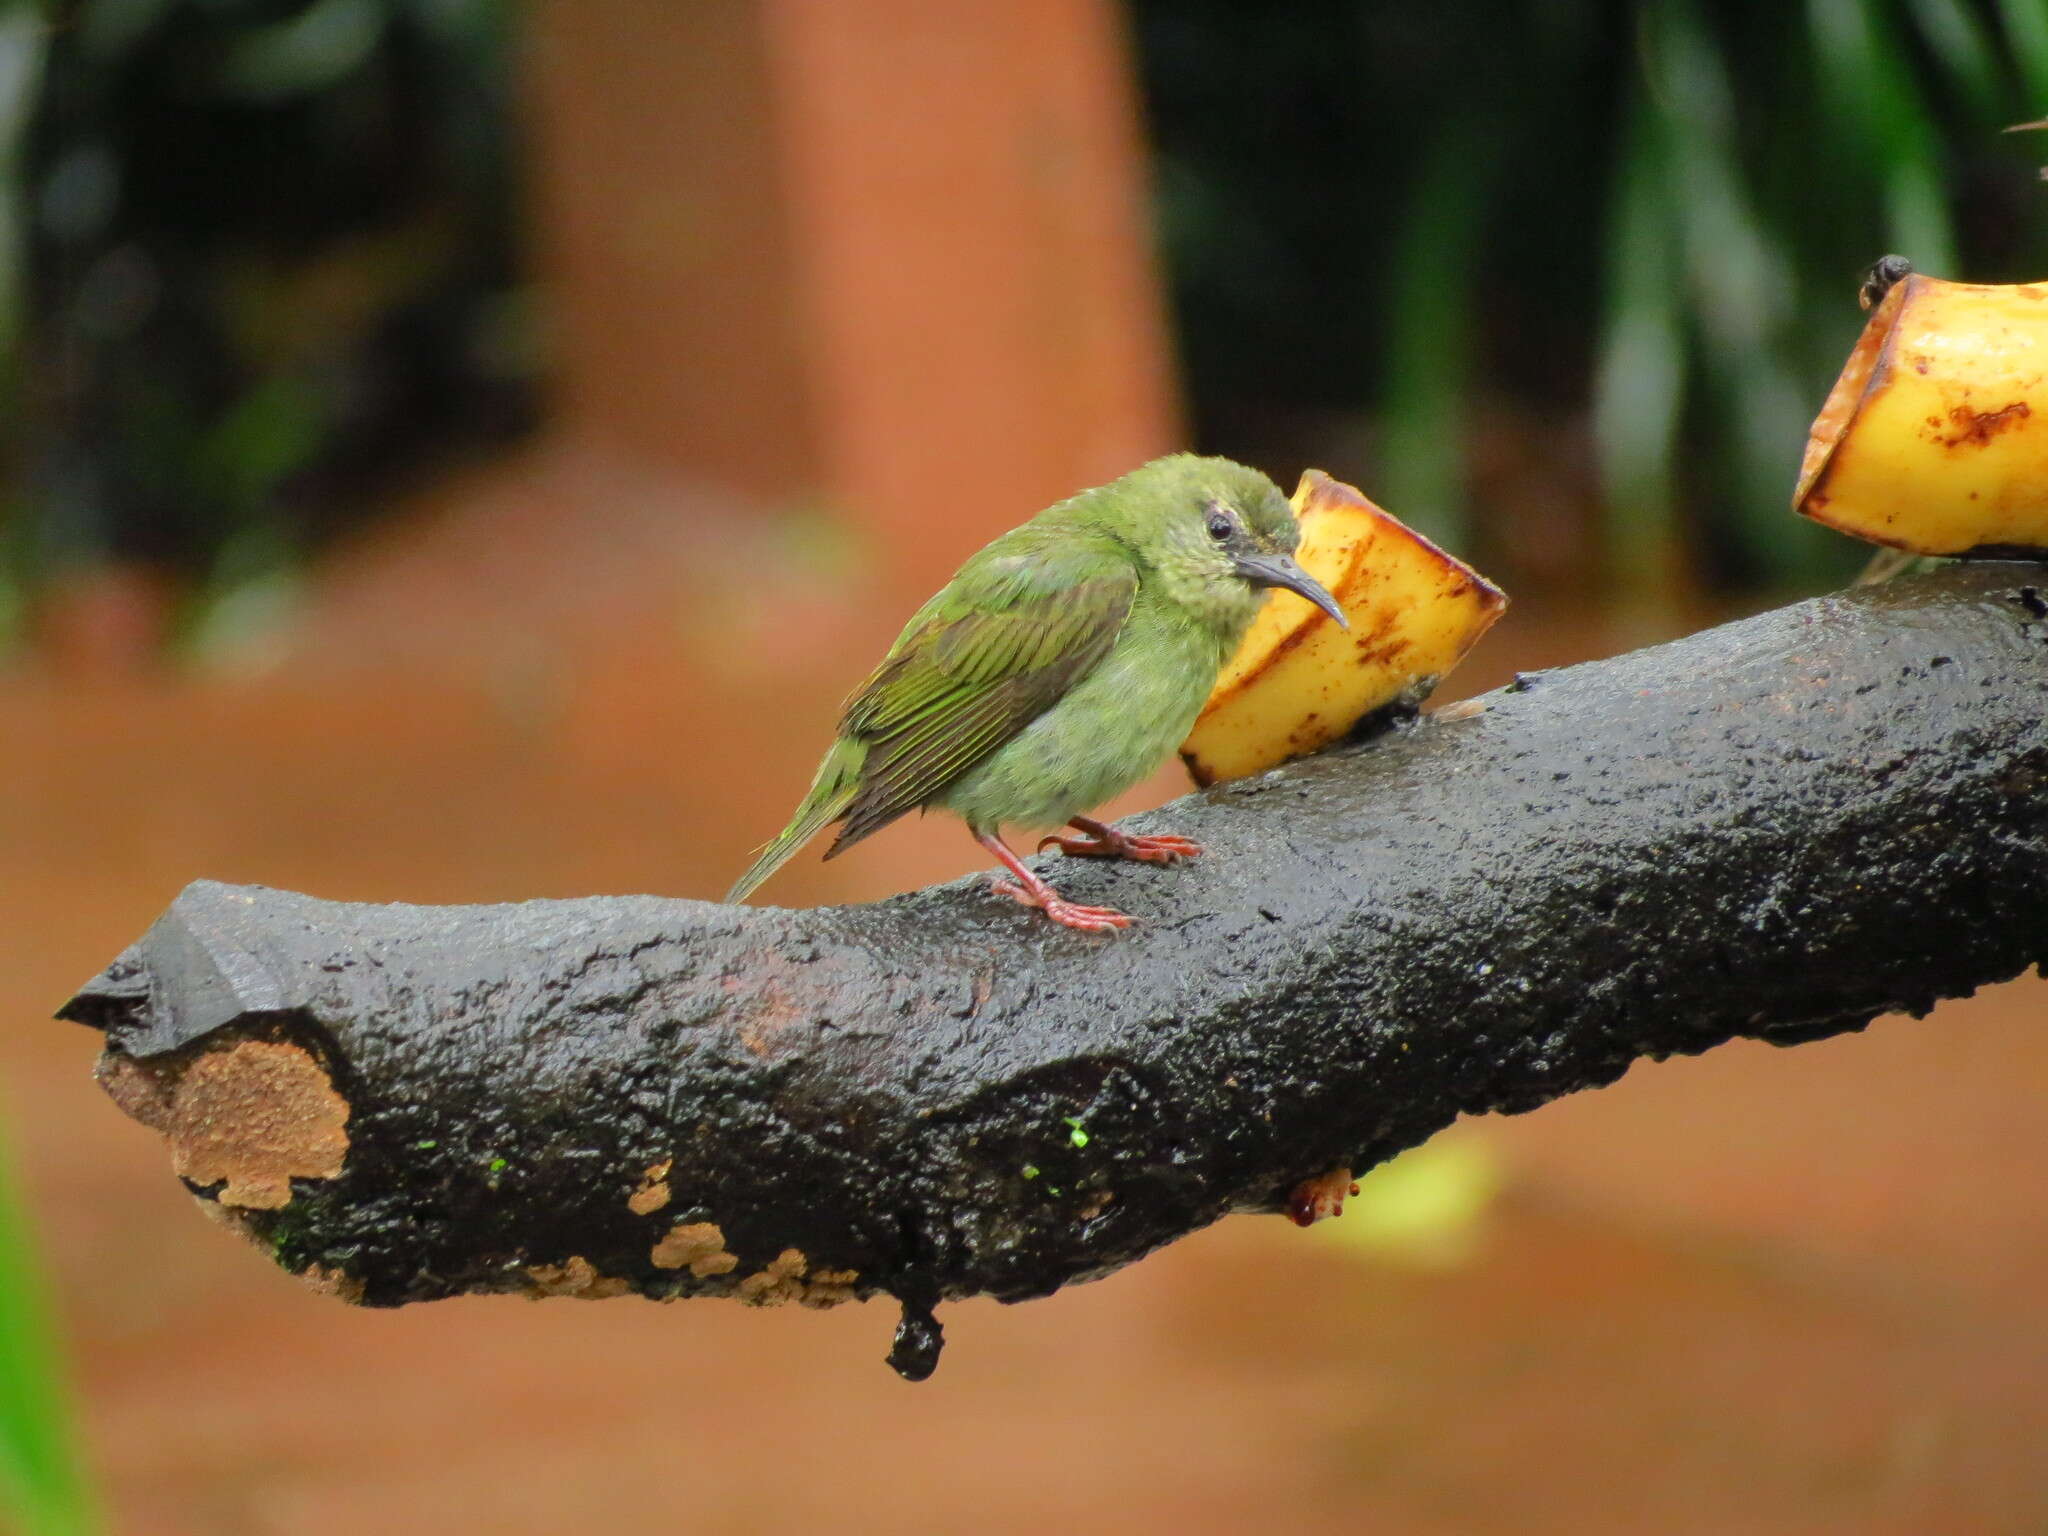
{"x":1002,"y":644}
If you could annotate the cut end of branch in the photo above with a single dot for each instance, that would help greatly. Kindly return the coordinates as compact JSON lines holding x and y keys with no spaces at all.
{"x":249,"y":1117}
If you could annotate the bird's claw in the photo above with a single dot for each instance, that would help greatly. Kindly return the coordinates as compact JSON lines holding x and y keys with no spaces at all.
{"x":1314,"y":1199}
{"x":1068,"y":914}
{"x":1151,"y":849}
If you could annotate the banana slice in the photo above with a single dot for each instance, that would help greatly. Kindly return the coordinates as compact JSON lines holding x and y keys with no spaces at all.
{"x":1298,"y":682}
{"x":1935,"y":438}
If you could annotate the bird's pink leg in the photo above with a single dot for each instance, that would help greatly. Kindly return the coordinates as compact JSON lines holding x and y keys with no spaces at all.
{"x":1105,"y":842}
{"x":1034,"y":892}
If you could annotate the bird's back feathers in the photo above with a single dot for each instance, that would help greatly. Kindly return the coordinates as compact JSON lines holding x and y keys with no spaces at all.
{"x":1023,"y":620}
{"x":1001,"y":645}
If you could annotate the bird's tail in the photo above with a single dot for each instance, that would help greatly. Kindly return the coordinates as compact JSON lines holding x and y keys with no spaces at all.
{"x":838,"y":779}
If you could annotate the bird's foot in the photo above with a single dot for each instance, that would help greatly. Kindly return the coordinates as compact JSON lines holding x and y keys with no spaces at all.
{"x":1068,"y":914}
{"x":1101,"y":841}
{"x":1312,"y":1200}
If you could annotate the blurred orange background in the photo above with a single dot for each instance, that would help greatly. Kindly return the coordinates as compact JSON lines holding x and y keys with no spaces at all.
{"x":819,"y":336}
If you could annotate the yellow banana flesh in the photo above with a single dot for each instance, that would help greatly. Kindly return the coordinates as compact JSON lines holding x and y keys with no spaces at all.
{"x":1934,"y":439}
{"x":1298,"y":682}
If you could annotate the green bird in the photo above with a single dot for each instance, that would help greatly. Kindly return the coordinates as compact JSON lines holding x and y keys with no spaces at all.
{"x":1056,"y":669}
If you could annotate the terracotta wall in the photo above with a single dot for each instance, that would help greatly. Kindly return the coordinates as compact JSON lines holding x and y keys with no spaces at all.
{"x":887,"y":258}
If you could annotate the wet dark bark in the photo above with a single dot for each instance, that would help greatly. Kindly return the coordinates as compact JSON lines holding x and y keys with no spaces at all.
{"x":1779,"y":828}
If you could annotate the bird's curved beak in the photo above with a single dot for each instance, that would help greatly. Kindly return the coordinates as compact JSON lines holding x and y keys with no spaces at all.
{"x":1281,"y":571}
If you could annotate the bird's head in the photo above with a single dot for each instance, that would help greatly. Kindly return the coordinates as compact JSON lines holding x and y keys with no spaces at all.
{"x":1218,"y":534}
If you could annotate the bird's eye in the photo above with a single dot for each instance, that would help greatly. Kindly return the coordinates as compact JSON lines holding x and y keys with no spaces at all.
{"x":1219,"y":525}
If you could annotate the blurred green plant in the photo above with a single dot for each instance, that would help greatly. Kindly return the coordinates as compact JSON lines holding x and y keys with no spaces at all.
{"x":1642,"y":220}
{"x":270,"y":268}
{"x":1426,"y":1209}
{"x":43,"y":1491}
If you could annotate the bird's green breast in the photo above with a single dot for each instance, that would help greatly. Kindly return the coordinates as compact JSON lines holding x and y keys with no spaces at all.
{"x":1110,"y":730}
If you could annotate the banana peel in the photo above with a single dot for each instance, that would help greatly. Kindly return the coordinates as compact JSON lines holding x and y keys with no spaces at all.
{"x":1934,"y":439}
{"x":1298,"y":682}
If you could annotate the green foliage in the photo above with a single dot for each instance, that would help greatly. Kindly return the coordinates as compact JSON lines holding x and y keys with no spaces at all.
{"x":1430,"y":330}
{"x":1649,"y":216}
{"x":270,"y":256}
{"x":42,"y":1489}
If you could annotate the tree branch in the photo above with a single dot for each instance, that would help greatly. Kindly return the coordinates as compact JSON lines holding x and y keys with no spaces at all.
{"x":1780,"y":828}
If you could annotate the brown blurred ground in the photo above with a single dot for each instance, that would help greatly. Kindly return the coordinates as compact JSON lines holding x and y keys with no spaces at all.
{"x":1760,"y":1291}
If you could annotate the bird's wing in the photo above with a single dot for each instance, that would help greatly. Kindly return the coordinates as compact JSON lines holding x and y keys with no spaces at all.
{"x":1002,"y":644}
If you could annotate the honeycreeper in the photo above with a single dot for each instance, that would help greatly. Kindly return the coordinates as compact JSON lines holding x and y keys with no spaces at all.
{"x":1056,"y":669}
